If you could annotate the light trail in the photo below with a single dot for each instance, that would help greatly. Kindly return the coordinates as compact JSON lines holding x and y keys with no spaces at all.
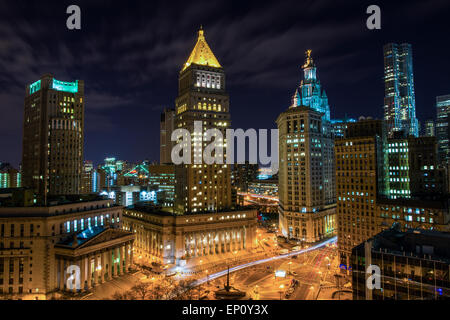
{"x":254,"y":263}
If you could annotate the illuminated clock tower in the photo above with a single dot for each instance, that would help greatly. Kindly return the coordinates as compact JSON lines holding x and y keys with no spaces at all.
{"x":202,"y":97}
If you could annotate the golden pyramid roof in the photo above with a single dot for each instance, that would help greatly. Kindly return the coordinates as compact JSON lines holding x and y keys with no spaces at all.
{"x":202,"y":54}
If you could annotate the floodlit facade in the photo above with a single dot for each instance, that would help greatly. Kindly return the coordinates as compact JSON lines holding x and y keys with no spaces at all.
{"x":202,"y":97}
{"x":310,"y":92}
{"x":306,"y":176}
{"x":166,"y":238}
{"x":39,"y":243}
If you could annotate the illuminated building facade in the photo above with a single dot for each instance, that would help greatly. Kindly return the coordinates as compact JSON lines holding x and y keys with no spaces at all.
{"x":430,"y":128}
{"x":53,"y":134}
{"x":307,"y":200}
{"x":202,"y":97}
{"x":443,"y":128}
{"x":414,"y":265}
{"x":310,"y":92}
{"x":166,"y":128}
{"x":166,"y":238}
{"x":359,"y":175}
{"x":9,"y":176}
{"x":39,"y":243}
{"x":399,"y":98}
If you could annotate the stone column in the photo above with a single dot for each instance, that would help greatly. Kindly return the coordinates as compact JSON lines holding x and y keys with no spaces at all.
{"x":83,"y":272}
{"x":123,"y":266}
{"x":131,"y":254}
{"x":89,"y":271}
{"x":125,"y":257}
{"x":102,"y":265}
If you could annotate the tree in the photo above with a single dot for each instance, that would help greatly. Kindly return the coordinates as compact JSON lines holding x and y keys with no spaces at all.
{"x":142,"y":290}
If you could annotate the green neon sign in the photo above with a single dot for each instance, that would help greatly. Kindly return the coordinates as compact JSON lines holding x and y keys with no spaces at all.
{"x":34,"y":87}
{"x":65,"y":86}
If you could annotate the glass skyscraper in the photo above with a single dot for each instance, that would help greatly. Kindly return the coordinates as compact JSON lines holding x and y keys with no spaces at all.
{"x":399,"y":98}
{"x":442,"y":128}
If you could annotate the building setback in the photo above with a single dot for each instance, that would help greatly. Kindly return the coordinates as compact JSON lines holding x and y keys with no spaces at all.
{"x":166,"y":238}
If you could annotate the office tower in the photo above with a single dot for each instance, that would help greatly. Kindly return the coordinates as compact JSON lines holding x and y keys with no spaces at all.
{"x":310,"y":93}
{"x":359,"y":175}
{"x":166,"y":128}
{"x":53,"y":134}
{"x":338,"y":126}
{"x":442,"y":128}
{"x":243,"y":174}
{"x":307,"y":200}
{"x":414,"y":265}
{"x":399,"y":97}
{"x":9,"y":176}
{"x":202,"y":98}
{"x":413,"y":168}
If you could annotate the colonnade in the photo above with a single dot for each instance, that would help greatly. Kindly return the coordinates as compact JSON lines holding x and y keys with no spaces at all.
{"x":88,"y":270}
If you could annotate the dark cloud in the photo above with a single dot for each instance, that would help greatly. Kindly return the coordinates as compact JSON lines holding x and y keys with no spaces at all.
{"x":129,"y":55}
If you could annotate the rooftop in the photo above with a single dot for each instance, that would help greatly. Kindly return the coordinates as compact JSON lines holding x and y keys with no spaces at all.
{"x":202,"y":54}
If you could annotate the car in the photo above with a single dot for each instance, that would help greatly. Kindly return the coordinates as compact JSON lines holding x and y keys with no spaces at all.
{"x":294,"y":257}
{"x":294,"y":273}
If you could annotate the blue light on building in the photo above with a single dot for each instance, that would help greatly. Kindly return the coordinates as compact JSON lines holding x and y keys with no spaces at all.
{"x":310,"y":92}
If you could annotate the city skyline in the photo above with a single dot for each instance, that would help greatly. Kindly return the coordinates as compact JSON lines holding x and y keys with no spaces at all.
{"x":113,"y":96}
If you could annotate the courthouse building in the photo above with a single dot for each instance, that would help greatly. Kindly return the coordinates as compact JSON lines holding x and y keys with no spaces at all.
{"x":166,"y":238}
{"x":42,"y":246}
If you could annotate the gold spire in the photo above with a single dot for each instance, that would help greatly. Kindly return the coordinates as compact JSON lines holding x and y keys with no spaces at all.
{"x":309,"y":62}
{"x":202,"y":53}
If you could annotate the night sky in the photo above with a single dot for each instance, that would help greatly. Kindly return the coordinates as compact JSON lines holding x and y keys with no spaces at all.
{"x":129,"y":54}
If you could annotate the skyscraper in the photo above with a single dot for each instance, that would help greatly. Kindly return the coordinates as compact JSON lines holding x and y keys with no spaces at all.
{"x":442,"y":128}
{"x":307,"y":199}
{"x":310,"y":93}
{"x":359,"y":175}
{"x":202,"y":98}
{"x":53,"y":134}
{"x":399,"y":97}
{"x":166,"y":144}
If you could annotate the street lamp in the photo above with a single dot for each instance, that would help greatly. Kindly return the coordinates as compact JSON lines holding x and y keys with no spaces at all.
{"x":289,"y":263}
